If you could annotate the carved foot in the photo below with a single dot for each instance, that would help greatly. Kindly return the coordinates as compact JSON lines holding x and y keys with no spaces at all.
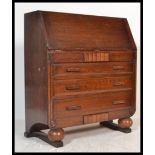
{"x":124,"y":125}
{"x":53,"y":137}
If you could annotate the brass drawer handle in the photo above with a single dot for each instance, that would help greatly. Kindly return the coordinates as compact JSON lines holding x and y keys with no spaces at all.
{"x":118,"y":83}
{"x":72,"y":87}
{"x":73,"y":70}
{"x":118,"y":67}
{"x":73,"y":108}
{"x":119,"y":102}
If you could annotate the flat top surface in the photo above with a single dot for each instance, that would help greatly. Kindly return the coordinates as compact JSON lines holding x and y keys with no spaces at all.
{"x":74,"y":32}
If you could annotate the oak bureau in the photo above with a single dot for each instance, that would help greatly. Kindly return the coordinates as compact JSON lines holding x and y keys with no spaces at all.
{"x":79,"y":69}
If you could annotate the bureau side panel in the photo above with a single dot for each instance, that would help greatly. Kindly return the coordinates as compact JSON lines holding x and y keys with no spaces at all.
{"x":36,"y":79}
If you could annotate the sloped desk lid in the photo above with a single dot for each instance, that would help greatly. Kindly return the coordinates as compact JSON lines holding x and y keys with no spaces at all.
{"x":84,"y":32}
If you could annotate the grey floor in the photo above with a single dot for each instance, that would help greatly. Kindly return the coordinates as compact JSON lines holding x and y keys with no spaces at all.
{"x":87,"y":138}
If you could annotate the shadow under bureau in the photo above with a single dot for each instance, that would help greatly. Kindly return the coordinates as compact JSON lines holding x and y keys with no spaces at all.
{"x":79,"y":69}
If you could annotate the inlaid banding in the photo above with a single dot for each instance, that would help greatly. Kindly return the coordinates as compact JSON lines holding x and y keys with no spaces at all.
{"x":97,"y":56}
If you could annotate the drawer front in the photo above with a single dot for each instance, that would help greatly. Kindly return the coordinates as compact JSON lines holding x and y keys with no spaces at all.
{"x":90,"y":56}
{"x":89,"y":104}
{"x":70,"y":87}
{"x":69,"y":121}
{"x":92,"y":68}
{"x":91,"y":118}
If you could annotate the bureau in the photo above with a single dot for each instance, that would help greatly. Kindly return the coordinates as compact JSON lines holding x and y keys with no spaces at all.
{"x":79,"y":69}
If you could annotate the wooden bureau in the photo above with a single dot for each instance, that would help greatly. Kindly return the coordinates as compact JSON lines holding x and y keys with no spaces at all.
{"x":79,"y":69}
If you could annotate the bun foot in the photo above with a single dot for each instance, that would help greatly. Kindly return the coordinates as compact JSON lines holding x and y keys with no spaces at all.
{"x":124,"y":125}
{"x":53,"y":137}
{"x":56,"y":135}
{"x":125,"y":122}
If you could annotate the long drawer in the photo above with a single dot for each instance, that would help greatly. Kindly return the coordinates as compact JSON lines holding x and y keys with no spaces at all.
{"x":76,"y":86}
{"x":92,"y":68}
{"x":89,"y":104}
{"x":91,"y":118}
{"x":90,"y":56}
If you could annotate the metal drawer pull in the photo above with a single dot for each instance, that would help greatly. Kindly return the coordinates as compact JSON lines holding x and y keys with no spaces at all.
{"x":118,"y":83}
{"x":72,"y":87}
{"x":119,"y":102}
{"x":73,"y":108}
{"x":118,"y":67}
{"x":73,"y":70}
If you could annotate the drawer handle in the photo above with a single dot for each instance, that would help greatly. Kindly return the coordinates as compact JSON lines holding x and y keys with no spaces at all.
{"x":72,"y":87}
{"x":73,"y":108}
{"x":118,"y":83}
{"x":73,"y":70}
{"x":119,"y":102}
{"x":118,"y":67}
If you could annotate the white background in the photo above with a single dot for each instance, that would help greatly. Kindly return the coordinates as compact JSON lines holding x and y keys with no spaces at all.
{"x":149,"y":76}
{"x":5,"y":77}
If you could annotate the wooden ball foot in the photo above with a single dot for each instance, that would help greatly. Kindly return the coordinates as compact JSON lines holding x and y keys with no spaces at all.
{"x":125,"y":123}
{"x":56,"y":135}
{"x":48,"y":138}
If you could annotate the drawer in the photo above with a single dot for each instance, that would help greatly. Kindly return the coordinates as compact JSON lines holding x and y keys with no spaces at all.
{"x":93,"y":68}
{"x":99,"y":117}
{"x":90,"y":56}
{"x":125,"y":113}
{"x":91,"y":118}
{"x":89,"y":104}
{"x":76,"y":86}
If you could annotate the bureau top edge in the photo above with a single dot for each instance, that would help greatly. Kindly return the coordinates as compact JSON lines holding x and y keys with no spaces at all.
{"x":67,"y":31}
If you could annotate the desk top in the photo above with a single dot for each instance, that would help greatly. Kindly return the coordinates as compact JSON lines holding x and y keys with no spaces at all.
{"x":65,"y":31}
